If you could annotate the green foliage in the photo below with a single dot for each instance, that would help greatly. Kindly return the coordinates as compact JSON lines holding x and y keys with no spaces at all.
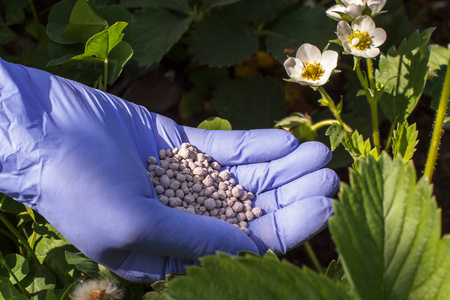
{"x":252,"y":277}
{"x":387,"y":230}
{"x":155,"y":31}
{"x":336,"y":134}
{"x":84,"y":22}
{"x":12,"y":14}
{"x":215,"y":123}
{"x":438,"y":64}
{"x":402,"y":88}
{"x":205,"y":80}
{"x":8,"y":291}
{"x":404,"y":141}
{"x":250,"y":102}
{"x":303,"y":25}
{"x":50,"y":248}
{"x":299,"y":125}
{"x":39,"y":280}
{"x":17,"y":268}
{"x":358,"y":147}
{"x":223,"y":38}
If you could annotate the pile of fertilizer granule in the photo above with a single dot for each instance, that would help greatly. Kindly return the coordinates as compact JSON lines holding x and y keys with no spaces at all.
{"x":191,"y":181}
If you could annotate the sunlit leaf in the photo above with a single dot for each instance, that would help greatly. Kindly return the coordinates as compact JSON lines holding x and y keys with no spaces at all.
{"x":336,"y":134}
{"x":39,"y":280}
{"x":18,"y":266}
{"x":387,"y":229}
{"x":8,"y":291}
{"x":404,"y":141}
{"x":215,"y":123}
{"x":403,"y":74}
{"x":250,"y":277}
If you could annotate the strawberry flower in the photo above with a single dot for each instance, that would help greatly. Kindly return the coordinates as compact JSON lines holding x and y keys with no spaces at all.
{"x":351,"y":9}
{"x":362,"y":38}
{"x":310,"y":66}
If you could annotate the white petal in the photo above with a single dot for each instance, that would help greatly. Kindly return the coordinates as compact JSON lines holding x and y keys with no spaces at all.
{"x":354,"y":10}
{"x":376,"y":5}
{"x":308,"y":53}
{"x":289,"y":65}
{"x":371,"y":53}
{"x":378,"y":37}
{"x":329,"y":60}
{"x":343,"y":31}
{"x":324,"y":78}
{"x":347,"y":47}
{"x":331,"y":12}
{"x":363,"y":23}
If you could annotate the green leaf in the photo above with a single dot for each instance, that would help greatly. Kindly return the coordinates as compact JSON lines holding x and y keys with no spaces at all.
{"x":58,"y":19}
{"x":117,"y":59}
{"x":439,"y":57}
{"x":215,"y":123}
{"x":387,"y":231}
{"x":299,"y":125}
{"x":290,"y":31}
{"x":222,"y":39}
{"x":6,"y":35}
{"x":403,"y":74}
{"x":83,"y":264}
{"x":250,"y":102}
{"x":51,"y":295}
{"x":38,"y":280}
{"x":84,"y":22}
{"x":18,"y":266}
{"x":50,"y":248}
{"x":437,"y":87}
{"x":260,"y":13}
{"x":249,"y":277}
{"x":357,"y":146}
{"x":9,"y":205}
{"x":98,"y":48}
{"x":205,"y":81}
{"x":180,"y":6}
{"x":8,"y":291}
{"x":155,"y":31}
{"x":336,"y":134}
{"x":404,"y":141}
{"x":208,"y":4}
{"x":14,"y":14}
{"x":88,"y":266}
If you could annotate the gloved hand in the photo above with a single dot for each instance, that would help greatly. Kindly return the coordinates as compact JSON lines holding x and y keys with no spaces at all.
{"x":78,"y":156}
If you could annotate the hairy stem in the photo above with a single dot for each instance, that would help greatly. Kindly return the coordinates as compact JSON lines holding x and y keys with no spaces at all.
{"x":438,"y":125}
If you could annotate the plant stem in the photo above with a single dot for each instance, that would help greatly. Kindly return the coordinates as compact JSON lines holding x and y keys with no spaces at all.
{"x":438,"y":125}
{"x":323,"y":124}
{"x":5,"y":265}
{"x":105,"y":74}
{"x":331,"y":105}
{"x":391,"y":131}
{"x":33,"y":11}
{"x":372,"y":98}
{"x":21,"y":239}
{"x":313,"y":257}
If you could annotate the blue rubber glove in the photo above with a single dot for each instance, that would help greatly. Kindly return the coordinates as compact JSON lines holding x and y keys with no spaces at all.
{"x":78,"y":156}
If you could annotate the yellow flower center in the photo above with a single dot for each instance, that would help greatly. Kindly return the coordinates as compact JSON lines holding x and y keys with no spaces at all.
{"x":360,"y":40}
{"x":312,"y":71}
